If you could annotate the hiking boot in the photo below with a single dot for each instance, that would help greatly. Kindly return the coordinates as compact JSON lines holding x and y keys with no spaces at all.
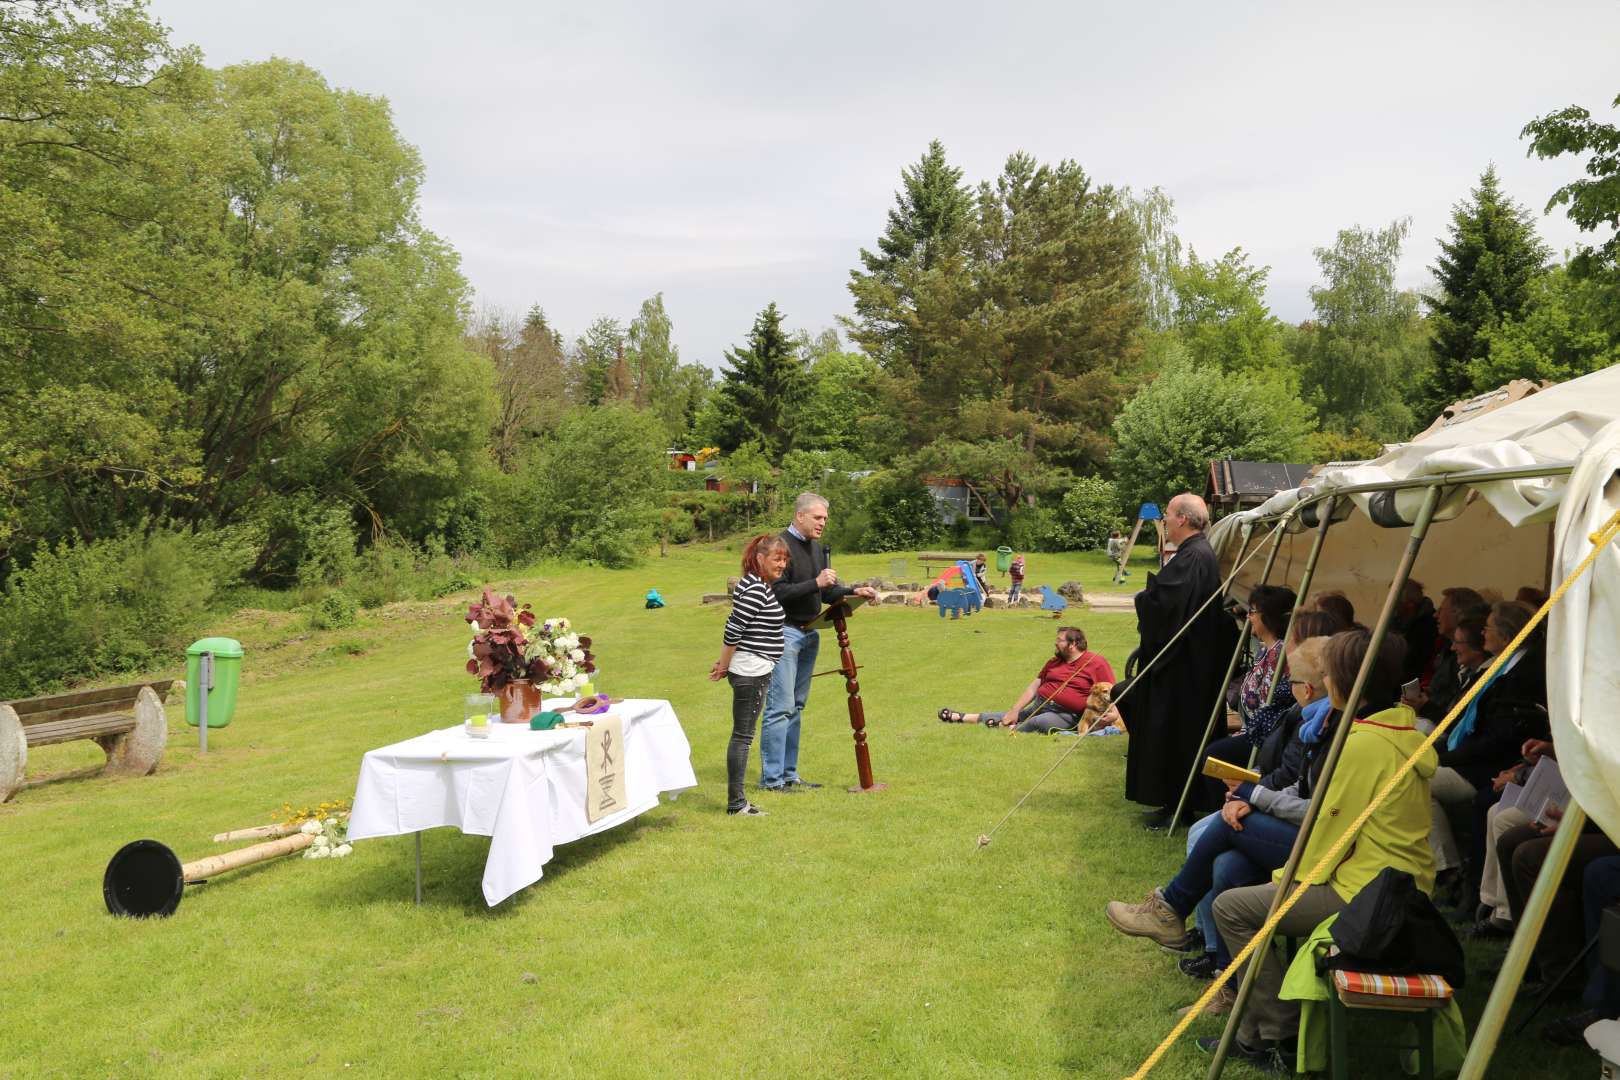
{"x":1152,"y":918}
{"x":1219,"y":1005}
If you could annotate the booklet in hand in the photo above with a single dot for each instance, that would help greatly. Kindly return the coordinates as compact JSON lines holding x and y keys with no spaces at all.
{"x":1225,"y":770}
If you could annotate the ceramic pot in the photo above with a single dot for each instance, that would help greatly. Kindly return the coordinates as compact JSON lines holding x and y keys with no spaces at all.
{"x":520,"y":699}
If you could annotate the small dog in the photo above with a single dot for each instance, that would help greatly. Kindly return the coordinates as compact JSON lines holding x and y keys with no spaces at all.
{"x":1100,"y":711}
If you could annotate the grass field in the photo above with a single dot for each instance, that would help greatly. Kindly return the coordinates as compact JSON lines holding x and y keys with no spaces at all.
{"x":846,"y":935}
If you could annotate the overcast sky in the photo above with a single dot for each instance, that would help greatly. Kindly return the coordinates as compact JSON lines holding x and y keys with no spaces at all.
{"x":586,"y":156}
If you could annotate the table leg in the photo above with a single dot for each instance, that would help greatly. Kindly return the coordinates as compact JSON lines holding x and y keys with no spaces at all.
{"x":418,"y":868}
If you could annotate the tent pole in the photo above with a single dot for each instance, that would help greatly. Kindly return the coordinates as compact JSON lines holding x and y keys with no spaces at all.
{"x":1299,"y":598}
{"x":1500,"y":1003}
{"x":1285,"y":884}
{"x":1220,"y":698}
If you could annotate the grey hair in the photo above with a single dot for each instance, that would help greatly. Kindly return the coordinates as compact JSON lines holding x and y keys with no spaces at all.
{"x":1193,"y":509}
{"x":806,"y":501}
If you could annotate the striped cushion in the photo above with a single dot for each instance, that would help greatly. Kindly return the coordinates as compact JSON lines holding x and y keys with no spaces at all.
{"x":1367,"y":984}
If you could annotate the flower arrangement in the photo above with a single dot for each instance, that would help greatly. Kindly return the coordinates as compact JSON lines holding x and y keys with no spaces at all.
{"x":498,"y":652}
{"x":331,"y":838}
{"x":563,"y":657}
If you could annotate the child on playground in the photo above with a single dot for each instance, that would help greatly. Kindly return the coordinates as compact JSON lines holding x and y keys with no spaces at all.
{"x":1016,"y":569}
{"x":750,"y":647}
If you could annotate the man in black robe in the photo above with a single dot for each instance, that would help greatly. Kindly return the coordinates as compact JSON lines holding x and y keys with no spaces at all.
{"x":1168,"y":707}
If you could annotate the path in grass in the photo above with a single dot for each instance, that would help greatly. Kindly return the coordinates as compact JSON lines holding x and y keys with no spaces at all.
{"x":841,"y":935}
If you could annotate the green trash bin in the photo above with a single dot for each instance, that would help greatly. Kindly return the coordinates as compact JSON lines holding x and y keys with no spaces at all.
{"x":227,"y":673}
{"x":1004,"y":556}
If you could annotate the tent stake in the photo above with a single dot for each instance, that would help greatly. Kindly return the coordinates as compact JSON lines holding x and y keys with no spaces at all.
{"x":1219,"y":710}
{"x":1285,"y":884}
{"x":1500,"y":1003}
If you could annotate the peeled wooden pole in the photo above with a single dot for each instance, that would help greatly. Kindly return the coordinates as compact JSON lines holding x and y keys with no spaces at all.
{"x":145,"y":878}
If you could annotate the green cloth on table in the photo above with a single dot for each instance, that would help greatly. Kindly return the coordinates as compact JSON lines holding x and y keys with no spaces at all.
{"x":1304,"y":984}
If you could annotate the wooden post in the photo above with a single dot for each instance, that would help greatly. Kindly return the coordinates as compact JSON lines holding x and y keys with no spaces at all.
{"x":857,"y":710}
{"x":234,"y":860}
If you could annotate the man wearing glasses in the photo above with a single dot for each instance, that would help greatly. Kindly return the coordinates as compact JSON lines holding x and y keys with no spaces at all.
{"x":1167,"y":710}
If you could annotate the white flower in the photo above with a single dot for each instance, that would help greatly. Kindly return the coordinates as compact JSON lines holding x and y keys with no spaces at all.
{"x":313,"y":827}
{"x":475,"y":629}
{"x":319,"y":852}
{"x":341,"y":850}
{"x":470,"y":654}
{"x":322,"y":841}
{"x":331,"y":821}
{"x":562,"y":624}
{"x":577,"y":655}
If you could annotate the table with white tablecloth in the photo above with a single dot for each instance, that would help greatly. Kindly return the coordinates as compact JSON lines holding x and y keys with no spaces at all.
{"x":523,"y":789}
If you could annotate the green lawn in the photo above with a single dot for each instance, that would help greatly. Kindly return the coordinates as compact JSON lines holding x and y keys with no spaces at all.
{"x":841,"y":935}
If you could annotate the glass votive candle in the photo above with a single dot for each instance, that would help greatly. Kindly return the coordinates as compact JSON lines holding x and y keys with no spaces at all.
{"x":476,"y":709}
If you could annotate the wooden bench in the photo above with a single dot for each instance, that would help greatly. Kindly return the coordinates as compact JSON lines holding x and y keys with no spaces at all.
{"x":127,"y":722}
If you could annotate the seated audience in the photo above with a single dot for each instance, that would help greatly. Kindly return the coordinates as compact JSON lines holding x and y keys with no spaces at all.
{"x":1494,"y":918}
{"x":1520,"y":852}
{"x":1415,"y":621}
{"x":1263,"y":692}
{"x":1530,"y":596}
{"x":1251,"y":835}
{"x":1057,"y":697}
{"x":1381,"y":739}
{"x":1336,"y":604}
{"x":1441,"y":686}
{"x":1489,"y":734}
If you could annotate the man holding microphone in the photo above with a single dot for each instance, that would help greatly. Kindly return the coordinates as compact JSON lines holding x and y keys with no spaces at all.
{"x":808,"y":583}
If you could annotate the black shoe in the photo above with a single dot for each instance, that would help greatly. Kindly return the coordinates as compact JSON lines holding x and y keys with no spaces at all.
{"x":1156,"y":819}
{"x":1571,"y":1030}
{"x":1200,"y":966}
{"x":801,"y":784}
{"x":1191,"y":942}
{"x":1273,"y":1059}
{"x":1489,"y":930}
{"x":781,"y":789}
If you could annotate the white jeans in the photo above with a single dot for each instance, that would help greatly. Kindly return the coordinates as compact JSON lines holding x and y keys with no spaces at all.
{"x":1492,"y":893}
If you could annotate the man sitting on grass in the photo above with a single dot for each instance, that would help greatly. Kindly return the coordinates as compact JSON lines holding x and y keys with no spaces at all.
{"x":1057,"y":697}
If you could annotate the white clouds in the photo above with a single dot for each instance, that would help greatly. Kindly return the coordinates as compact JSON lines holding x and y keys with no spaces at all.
{"x":586,"y":157}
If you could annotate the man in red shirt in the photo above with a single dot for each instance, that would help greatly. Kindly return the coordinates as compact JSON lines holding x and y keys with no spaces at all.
{"x":1057,"y":697}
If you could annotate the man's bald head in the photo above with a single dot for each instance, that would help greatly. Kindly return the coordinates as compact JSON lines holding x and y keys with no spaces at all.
{"x":1185,"y":516}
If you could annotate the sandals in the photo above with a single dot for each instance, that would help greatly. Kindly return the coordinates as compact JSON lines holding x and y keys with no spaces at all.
{"x":950,"y":716}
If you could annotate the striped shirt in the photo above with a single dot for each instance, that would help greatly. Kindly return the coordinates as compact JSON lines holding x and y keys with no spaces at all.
{"x":755,"y":624}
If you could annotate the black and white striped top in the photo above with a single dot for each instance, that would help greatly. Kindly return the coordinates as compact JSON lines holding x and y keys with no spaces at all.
{"x":755,"y":624}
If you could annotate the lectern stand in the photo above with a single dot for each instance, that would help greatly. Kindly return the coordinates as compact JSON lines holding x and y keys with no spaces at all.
{"x":837,"y":617}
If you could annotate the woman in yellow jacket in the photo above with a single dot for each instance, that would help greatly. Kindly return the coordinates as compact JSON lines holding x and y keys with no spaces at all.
{"x":1383,"y":736}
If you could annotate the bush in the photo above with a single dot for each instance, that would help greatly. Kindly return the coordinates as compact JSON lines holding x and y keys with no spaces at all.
{"x":306,"y":541}
{"x":901,"y":515}
{"x":1090,"y":511}
{"x":334,"y":611}
{"x":112,"y":606}
{"x":385,"y":572}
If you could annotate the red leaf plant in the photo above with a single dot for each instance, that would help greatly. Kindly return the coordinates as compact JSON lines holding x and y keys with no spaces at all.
{"x":497,"y":653}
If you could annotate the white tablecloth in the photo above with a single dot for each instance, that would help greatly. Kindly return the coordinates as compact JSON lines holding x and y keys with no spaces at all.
{"x":523,"y":789}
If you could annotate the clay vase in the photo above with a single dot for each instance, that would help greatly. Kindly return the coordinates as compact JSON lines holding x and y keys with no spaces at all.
{"x":519,"y":699}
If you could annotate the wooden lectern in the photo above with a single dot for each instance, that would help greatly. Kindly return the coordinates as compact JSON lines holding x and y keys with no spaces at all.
{"x":836,"y":616}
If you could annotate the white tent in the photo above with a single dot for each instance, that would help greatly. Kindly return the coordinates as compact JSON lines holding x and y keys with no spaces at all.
{"x":1523,"y":487}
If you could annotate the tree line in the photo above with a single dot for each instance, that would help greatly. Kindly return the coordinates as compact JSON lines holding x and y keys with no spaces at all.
{"x":227,"y":337}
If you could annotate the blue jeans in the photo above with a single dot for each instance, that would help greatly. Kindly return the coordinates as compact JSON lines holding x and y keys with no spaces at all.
{"x":784,"y":707}
{"x":1233,"y":870}
{"x":1262,"y":845}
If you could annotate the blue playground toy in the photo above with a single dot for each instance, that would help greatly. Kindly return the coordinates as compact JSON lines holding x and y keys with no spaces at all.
{"x":1051,"y":600}
{"x":958,"y":591}
{"x":653,"y":599}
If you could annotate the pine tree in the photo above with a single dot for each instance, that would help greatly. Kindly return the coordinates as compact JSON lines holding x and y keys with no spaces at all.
{"x":762,"y":389}
{"x":926,"y":225}
{"x":1484,"y":272}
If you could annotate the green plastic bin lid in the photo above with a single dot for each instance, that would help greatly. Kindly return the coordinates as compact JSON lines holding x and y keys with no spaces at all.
{"x":219,"y":646}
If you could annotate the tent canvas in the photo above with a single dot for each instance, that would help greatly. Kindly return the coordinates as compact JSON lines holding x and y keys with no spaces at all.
{"x":1496,"y":533}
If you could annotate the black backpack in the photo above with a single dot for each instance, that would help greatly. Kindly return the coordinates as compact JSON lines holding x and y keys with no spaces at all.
{"x":1392,"y":928}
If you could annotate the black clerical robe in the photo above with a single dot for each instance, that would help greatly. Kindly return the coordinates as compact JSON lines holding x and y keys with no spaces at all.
{"x":1167,"y":713}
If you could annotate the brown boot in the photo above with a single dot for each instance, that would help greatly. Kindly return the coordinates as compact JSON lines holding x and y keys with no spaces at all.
{"x":1219,"y":1005}
{"x":1152,"y":918}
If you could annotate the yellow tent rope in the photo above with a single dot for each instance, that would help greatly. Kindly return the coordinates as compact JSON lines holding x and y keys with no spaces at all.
{"x":1599,"y":540}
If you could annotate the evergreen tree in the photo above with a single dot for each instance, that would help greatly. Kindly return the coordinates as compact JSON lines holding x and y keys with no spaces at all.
{"x":761,"y":390}
{"x":595,"y":354}
{"x":1484,"y":272}
{"x":926,"y":225}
